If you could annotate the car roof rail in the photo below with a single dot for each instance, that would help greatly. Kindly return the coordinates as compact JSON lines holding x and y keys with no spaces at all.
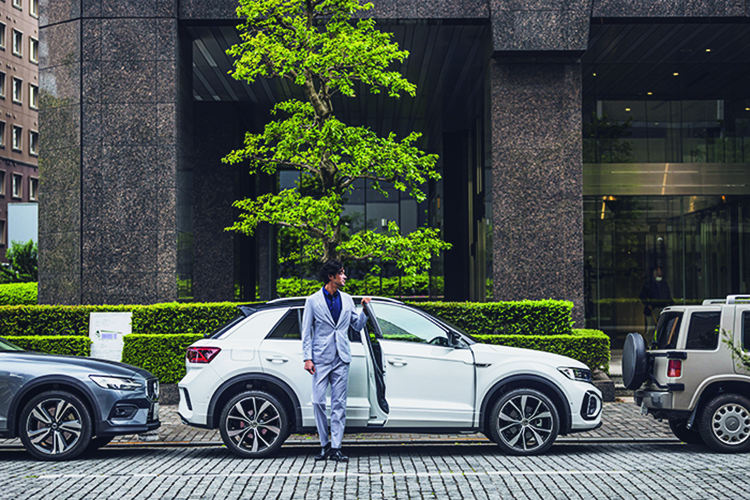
{"x":709,"y":302}
{"x":733,"y":299}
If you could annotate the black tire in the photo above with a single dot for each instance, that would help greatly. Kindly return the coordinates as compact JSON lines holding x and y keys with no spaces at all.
{"x":254,"y":424}
{"x":524,"y":422}
{"x":634,"y":361}
{"x":689,"y":436}
{"x":55,"y":425}
{"x":725,"y":423}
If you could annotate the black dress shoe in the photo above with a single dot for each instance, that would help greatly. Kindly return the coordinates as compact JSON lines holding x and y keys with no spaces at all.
{"x":337,"y":456}
{"x":324,"y":452}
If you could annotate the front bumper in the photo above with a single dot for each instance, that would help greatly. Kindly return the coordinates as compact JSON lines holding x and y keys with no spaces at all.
{"x":133,"y":414}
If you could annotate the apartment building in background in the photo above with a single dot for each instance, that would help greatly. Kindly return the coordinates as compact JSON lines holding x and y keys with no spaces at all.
{"x":19,"y":104}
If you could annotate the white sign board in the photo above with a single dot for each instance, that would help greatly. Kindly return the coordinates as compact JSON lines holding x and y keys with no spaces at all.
{"x":106,"y":331}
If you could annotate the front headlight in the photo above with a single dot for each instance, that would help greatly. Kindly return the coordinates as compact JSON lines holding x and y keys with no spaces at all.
{"x":117,"y":383}
{"x":581,"y":374}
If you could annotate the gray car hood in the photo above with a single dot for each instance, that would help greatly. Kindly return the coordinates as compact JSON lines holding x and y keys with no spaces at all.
{"x":100,"y":366}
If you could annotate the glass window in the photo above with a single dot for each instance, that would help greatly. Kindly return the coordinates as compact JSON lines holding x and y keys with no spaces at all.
{"x":34,"y":8}
{"x":668,"y":329}
{"x":17,"y":134}
{"x":33,"y":96}
{"x":18,"y":4}
{"x":703,"y":333}
{"x":746,"y":330}
{"x":33,"y":189}
{"x":2,"y":232}
{"x":33,"y":142}
{"x":287,"y":328}
{"x":17,"y":42}
{"x":6,"y":346}
{"x":17,"y":90}
{"x":33,"y":50}
{"x":17,"y":185}
{"x":2,"y":182}
{"x":2,"y":138}
{"x":2,"y":35}
{"x":2,"y":85}
{"x":403,"y":324}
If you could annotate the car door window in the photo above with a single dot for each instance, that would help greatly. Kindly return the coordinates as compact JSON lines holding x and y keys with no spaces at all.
{"x":402,"y":324}
{"x":287,"y":328}
{"x":746,"y":330}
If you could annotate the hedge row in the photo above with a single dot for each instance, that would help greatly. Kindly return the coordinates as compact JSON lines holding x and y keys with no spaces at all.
{"x":74,"y":320}
{"x":162,"y":355}
{"x":525,"y":317}
{"x":591,"y":347}
{"x":12,"y":294}
{"x":71,"y":345}
{"x":542,"y":317}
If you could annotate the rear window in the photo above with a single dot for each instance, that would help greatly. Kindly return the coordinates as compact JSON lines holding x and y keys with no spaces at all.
{"x":746,"y":330}
{"x":287,"y":328}
{"x":703,"y":333}
{"x":668,"y":329}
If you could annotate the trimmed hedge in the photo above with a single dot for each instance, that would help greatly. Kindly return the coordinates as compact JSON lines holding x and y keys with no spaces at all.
{"x":71,"y":345}
{"x":17,"y":294}
{"x":587,"y":346}
{"x":525,"y":317}
{"x":162,"y":355}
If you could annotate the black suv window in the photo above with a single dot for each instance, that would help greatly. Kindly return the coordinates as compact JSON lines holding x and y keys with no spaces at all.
{"x":703,"y":333}
{"x":746,"y":330}
{"x":668,"y":329}
{"x":287,"y":328}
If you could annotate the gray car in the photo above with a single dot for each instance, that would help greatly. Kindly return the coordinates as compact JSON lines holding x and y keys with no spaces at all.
{"x":60,"y":406}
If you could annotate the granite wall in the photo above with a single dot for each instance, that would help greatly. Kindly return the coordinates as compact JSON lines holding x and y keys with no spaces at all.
{"x":113,"y":73}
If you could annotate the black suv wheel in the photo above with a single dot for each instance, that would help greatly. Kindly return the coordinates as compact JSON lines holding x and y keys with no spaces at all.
{"x":254,"y":424}
{"x":725,"y":423}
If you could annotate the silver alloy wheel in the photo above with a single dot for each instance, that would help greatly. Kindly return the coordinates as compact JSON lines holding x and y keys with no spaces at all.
{"x":253,"y":424}
{"x":730,"y":424}
{"x":54,"y":426}
{"x":525,"y":423}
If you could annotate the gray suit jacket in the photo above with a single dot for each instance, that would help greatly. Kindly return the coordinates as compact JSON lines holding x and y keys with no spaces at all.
{"x":321,"y":338}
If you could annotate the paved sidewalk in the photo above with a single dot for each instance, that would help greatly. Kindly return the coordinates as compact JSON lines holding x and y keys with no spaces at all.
{"x":622,"y":422}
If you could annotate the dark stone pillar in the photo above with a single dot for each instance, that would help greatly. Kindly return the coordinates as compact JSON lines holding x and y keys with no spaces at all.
{"x":112,"y":75}
{"x":537,"y":180}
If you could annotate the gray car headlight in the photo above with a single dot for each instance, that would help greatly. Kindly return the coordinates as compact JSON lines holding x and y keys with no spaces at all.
{"x":117,"y":383}
{"x":581,"y":374}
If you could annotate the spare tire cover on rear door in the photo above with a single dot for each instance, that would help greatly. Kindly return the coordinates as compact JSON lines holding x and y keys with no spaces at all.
{"x":634,"y":361}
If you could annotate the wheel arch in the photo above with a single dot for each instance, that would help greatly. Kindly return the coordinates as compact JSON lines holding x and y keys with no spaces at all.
{"x":53,"y":383}
{"x":255,"y":381}
{"x":537,"y":382}
{"x":741,"y":387}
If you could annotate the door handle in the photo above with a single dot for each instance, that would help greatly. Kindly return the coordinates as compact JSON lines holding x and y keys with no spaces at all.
{"x":397,"y":362}
{"x":277,"y":359}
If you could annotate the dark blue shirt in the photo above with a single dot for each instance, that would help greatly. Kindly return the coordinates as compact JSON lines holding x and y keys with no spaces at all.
{"x":334,"y":304}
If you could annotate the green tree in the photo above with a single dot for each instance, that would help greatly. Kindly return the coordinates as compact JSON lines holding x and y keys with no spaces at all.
{"x":320,"y":48}
{"x":22,"y":260}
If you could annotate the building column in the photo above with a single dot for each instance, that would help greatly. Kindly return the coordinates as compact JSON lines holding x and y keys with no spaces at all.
{"x":537,"y":180}
{"x":112,"y":76}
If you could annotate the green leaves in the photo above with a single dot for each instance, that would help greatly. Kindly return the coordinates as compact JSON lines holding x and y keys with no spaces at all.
{"x":319,"y":46}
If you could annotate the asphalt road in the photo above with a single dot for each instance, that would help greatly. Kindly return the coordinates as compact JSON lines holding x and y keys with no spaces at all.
{"x":475,"y":470}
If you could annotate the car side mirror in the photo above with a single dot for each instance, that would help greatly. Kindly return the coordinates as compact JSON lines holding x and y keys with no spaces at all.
{"x":455,"y":341}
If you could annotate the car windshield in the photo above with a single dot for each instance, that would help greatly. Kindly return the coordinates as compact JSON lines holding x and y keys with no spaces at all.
{"x":6,"y":346}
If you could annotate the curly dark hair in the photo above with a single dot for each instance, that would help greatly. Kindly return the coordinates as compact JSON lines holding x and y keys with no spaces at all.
{"x":330,"y":268}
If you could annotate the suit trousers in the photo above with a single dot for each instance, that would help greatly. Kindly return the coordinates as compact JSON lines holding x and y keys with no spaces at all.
{"x":336,"y":375}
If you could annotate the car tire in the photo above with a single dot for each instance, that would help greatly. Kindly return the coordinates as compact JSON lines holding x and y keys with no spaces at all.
{"x":55,"y":425}
{"x":681,"y":432}
{"x":524,"y":422}
{"x":725,"y":423}
{"x":634,"y":361}
{"x":254,"y":424}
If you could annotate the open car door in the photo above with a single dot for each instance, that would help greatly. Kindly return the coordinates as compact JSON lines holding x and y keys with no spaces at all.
{"x":376,"y":371}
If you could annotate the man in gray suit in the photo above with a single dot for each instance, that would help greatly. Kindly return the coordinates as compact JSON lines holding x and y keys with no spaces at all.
{"x":329,"y":313}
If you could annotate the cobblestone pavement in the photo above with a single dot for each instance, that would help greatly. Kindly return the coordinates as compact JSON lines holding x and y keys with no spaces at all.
{"x":622,"y":422}
{"x":415,"y":470}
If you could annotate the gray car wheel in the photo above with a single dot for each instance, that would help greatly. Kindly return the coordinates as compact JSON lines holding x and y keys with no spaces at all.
{"x":524,"y":422}
{"x":254,"y":424}
{"x":55,"y":425}
{"x":725,"y":423}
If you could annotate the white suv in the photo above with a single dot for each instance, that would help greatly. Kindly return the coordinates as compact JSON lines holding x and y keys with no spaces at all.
{"x":410,"y":372}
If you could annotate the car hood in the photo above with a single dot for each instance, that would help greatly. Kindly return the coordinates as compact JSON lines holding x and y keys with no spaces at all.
{"x":78,"y":363}
{"x":487,"y":353}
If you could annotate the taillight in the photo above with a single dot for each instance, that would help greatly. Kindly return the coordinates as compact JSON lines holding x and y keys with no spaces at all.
{"x":674,"y":368}
{"x":201,"y":354}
